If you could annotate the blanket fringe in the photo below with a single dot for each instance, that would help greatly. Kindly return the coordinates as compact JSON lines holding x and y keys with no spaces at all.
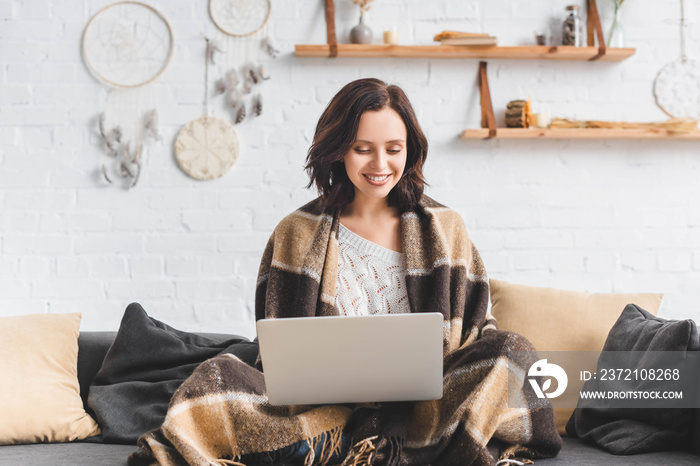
{"x":225,"y":462}
{"x":333,"y":443}
{"x":515,"y":454}
{"x":511,"y":461}
{"x":362,"y":453}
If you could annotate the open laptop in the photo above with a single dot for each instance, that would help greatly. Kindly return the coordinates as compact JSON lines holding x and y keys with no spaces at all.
{"x":314,"y":360}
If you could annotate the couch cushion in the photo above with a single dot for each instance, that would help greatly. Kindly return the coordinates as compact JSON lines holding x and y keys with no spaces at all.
{"x":562,"y":320}
{"x":576,"y":452}
{"x":65,"y":454}
{"x":39,"y":390}
{"x":93,"y":347}
{"x":144,"y":366}
{"x":627,"y":431}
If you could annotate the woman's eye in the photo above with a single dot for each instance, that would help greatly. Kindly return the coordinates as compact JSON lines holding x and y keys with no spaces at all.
{"x":362,"y":151}
{"x":394,"y":151}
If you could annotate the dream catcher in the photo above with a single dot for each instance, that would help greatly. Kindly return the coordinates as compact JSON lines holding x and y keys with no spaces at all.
{"x":126,"y":46}
{"x":206,"y":148}
{"x":677,"y":86}
{"x":244,"y":37}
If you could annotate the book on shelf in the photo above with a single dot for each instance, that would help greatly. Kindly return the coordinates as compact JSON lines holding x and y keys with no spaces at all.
{"x":483,"y":41}
{"x":464,"y":38}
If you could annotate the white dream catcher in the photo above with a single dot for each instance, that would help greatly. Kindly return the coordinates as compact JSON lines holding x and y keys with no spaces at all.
{"x":126,"y":46}
{"x":206,"y":148}
{"x":677,"y":85}
{"x":243,"y":27}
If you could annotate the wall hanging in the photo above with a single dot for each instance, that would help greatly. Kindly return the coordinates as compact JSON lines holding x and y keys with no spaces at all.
{"x":677,"y":86}
{"x":244,"y":36}
{"x":206,"y":148}
{"x":126,"y":46}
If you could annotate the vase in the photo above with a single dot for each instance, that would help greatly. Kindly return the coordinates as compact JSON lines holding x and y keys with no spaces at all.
{"x":361,"y":34}
{"x":616,"y":35}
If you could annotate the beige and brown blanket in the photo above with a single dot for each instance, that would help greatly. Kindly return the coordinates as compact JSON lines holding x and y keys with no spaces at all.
{"x":221,"y":412}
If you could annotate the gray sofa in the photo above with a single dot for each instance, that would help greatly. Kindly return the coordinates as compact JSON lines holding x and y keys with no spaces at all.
{"x":93,"y":347}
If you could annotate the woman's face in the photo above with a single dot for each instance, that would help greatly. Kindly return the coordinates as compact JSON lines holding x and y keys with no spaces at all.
{"x":377,"y":158}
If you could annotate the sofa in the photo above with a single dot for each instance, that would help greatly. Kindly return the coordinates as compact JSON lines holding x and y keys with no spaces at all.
{"x":94,"y":346}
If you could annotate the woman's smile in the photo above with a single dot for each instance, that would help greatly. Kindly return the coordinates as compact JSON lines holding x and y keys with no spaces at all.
{"x":377,"y":180}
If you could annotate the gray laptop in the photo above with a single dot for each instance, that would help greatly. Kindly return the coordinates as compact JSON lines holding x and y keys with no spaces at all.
{"x":314,"y":360}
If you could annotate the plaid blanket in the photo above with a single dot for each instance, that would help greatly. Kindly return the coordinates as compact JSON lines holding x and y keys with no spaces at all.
{"x":221,"y":412}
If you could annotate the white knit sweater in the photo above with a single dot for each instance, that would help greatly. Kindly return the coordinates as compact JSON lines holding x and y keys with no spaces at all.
{"x":371,"y":278}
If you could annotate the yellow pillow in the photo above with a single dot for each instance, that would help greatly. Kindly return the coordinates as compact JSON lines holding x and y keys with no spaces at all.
{"x":39,"y":390}
{"x":560,"y":320}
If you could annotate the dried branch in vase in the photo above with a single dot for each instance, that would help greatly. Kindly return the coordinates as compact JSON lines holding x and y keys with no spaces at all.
{"x":364,"y":4}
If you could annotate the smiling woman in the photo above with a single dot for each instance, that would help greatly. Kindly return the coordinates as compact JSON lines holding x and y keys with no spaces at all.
{"x":371,"y":243}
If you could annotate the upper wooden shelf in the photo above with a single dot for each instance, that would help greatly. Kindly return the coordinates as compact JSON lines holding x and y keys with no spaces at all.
{"x":534,"y":52}
{"x":577,"y":133}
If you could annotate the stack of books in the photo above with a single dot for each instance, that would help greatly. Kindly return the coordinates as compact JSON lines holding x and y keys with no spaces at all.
{"x":465,"y":38}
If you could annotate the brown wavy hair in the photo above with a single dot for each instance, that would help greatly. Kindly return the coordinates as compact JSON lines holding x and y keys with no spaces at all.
{"x":336,"y":132}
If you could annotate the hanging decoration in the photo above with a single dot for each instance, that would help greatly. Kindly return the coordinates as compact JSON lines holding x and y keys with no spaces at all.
{"x":126,"y":46}
{"x":677,"y":85}
{"x":243,"y":27}
{"x":206,"y":148}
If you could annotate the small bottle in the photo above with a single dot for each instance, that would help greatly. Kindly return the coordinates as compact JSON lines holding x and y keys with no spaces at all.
{"x":571,"y":33}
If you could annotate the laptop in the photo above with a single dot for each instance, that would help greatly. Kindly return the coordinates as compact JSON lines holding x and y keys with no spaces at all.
{"x":325,"y":360}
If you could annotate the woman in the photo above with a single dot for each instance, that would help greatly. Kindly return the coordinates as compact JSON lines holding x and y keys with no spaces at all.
{"x":366,"y":161}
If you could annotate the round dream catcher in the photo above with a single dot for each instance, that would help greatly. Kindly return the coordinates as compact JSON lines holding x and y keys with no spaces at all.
{"x":239,"y":18}
{"x":126,"y":46}
{"x":677,"y":85}
{"x":244,"y":35}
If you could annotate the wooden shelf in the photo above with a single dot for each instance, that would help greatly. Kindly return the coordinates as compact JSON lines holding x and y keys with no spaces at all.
{"x":577,"y":133}
{"x":535,"y":52}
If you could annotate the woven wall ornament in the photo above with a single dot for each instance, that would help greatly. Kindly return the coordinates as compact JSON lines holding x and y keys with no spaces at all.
{"x":126,"y":46}
{"x":677,"y":85}
{"x":206,"y":148}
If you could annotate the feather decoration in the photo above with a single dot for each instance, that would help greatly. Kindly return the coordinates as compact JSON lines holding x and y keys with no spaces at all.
{"x":233,"y":98}
{"x":240,"y":115}
{"x":253,"y":74}
{"x":257,"y":105}
{"x":267,"y":46}
{"x":151,"y":125}
{"x":220,"y":86}
{"x":262,"y":72}
{"x":212,"y":47}
{"x":104,"y":173}
{"x":101,"y":124}
{"x":110,"y":150}
{"x":232,"y":79}
{"x":116,"y":134}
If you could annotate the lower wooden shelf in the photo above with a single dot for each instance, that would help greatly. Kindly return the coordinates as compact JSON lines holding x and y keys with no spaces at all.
{"x":577,"y":133}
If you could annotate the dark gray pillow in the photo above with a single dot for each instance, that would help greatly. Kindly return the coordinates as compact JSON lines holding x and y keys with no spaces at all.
{"x":627,"y":431}
{"x":147,"y":362}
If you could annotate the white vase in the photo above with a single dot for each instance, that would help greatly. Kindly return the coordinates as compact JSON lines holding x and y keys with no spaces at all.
{"x":361,"y":34}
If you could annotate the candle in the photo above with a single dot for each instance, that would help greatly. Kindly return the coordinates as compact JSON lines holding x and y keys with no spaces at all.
{"x":391,"y":36}
{"x":541,"y":119}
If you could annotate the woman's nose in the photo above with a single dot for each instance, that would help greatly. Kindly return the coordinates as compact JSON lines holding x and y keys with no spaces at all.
{"x":379,"y":160}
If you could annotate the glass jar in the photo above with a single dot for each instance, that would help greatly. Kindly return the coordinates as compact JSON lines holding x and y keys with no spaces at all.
{"x":571,"y":31}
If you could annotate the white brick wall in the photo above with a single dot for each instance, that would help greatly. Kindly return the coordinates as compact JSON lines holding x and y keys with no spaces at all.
{"x":585,"y":215}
